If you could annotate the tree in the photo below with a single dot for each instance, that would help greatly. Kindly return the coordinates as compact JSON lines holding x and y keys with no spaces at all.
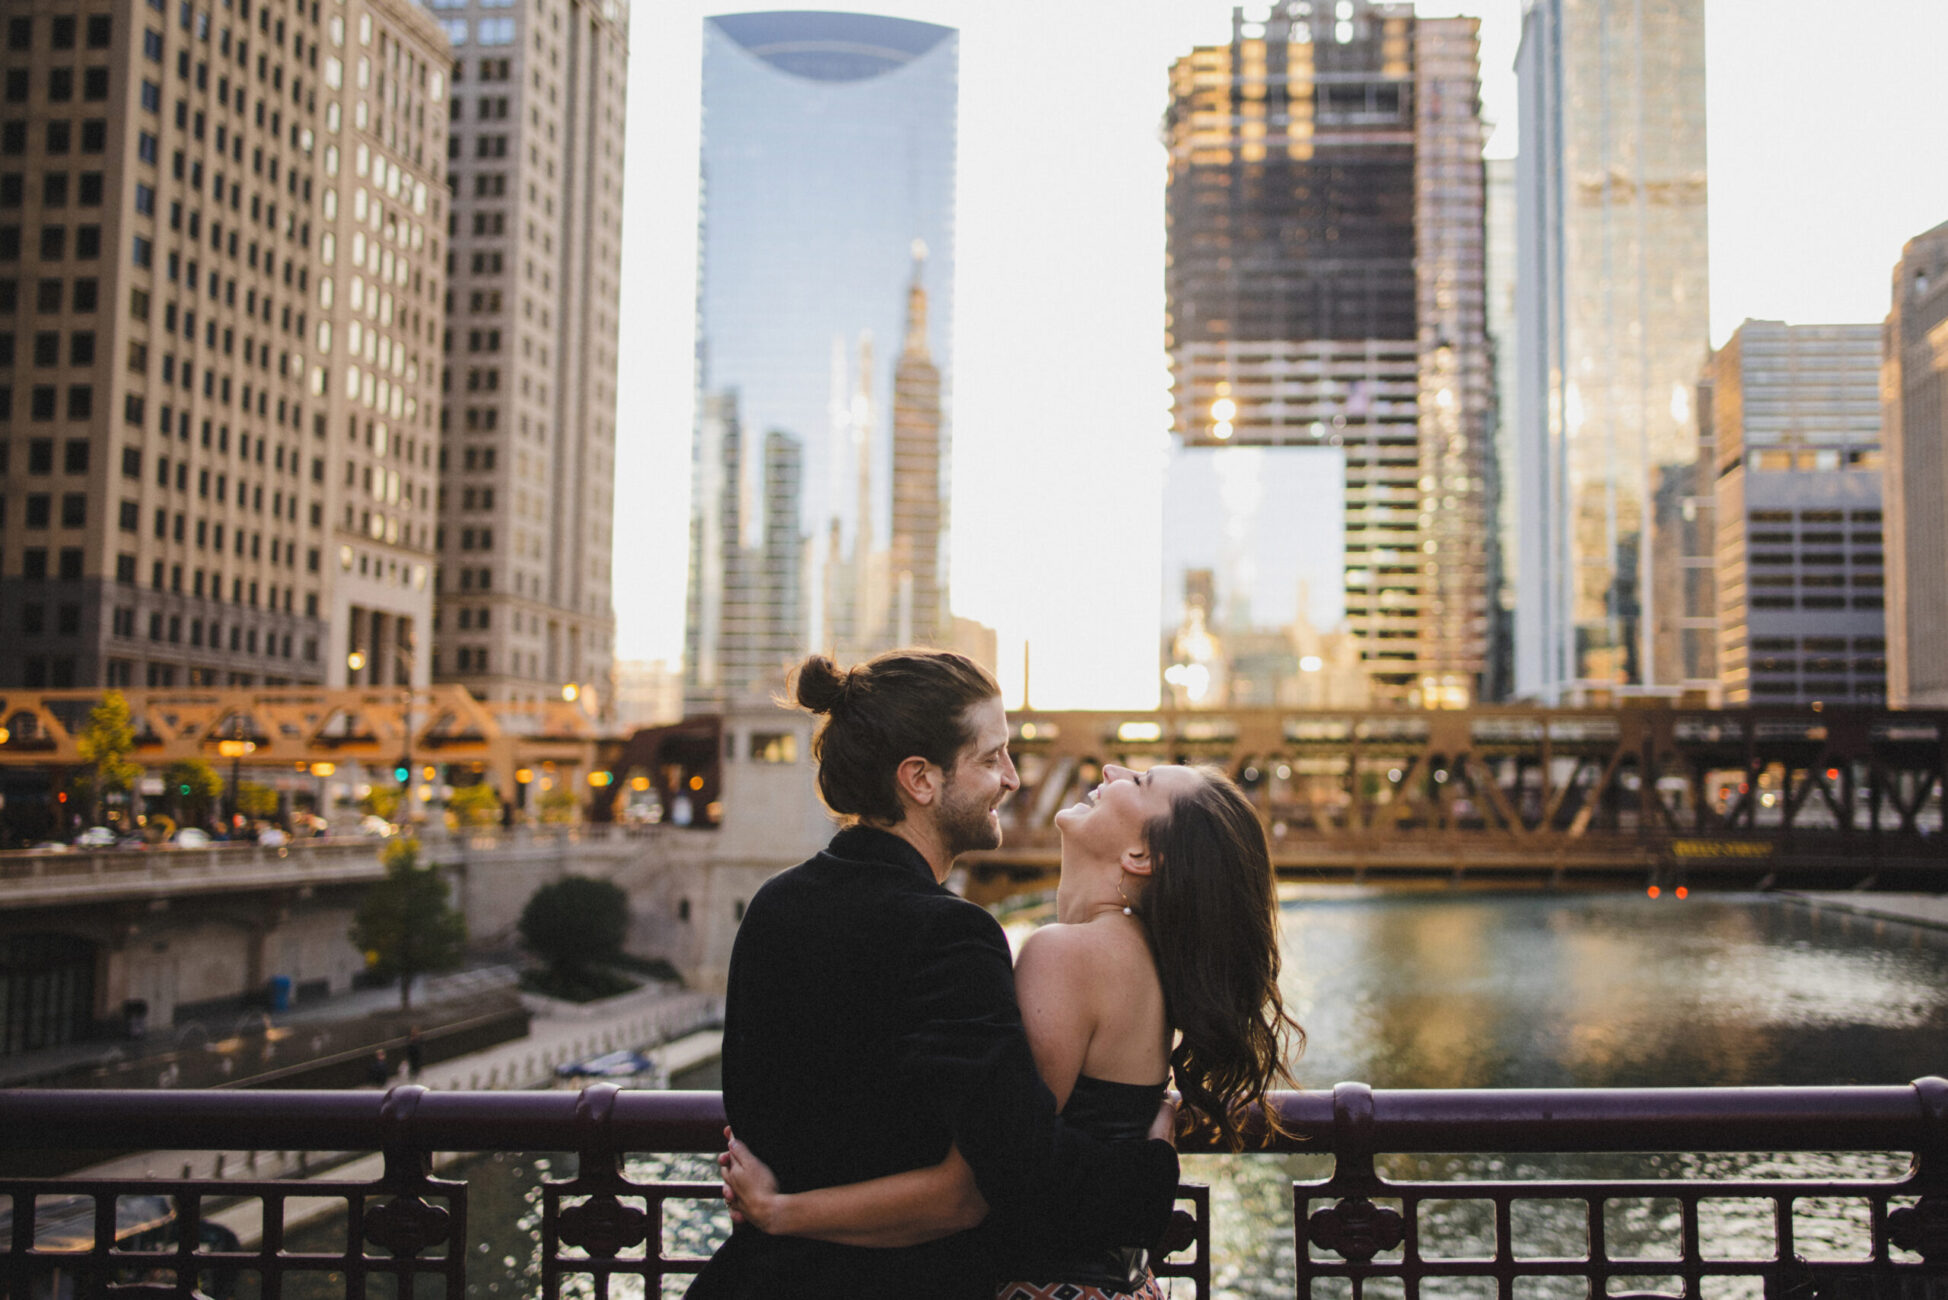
{"x":380,"y":801}
{"x":191,"y":786}
{"x":575,"y":923}
{"x":558,"y":806}
{"x":256,"y":800}
{"x":404,"y":925}
{"x":475,"y":805}
{"x":105,"y":744}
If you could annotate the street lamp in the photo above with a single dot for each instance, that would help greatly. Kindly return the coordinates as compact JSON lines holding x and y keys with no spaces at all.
{"x":354,"y":664}
{"x":234,"y":749}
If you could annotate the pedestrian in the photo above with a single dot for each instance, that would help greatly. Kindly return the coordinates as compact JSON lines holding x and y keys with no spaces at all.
{"x":415,"y":1054}
{"x":378,"y":1071}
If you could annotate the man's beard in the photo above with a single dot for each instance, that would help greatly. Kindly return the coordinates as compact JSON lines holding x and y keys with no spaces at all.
{"x":965,"y":826}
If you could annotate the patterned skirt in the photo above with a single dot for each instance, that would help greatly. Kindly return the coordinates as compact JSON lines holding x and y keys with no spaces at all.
{"x":1070,"y":1291}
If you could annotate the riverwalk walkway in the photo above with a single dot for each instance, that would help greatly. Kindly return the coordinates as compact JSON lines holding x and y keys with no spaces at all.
{"x":675,"y":1025}
{"x":1930,"y":910}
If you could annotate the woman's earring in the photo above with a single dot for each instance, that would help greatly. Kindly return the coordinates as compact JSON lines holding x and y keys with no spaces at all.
{"x":1127,"y":910}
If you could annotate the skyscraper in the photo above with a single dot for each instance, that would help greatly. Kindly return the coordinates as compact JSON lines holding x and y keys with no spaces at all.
{"x":528,"y":476}
{"x":1328,"y":349}
{"x":1914,"y":394}
{"x":1794,"y":417}
{"x":1614,"y":323}
{"x":222,"y":236}
{"x":828,"y":151}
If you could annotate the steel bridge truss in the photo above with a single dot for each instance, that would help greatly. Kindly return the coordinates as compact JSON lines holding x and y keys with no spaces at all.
{"x":1739,"y":791}
{"x":306,"y":726}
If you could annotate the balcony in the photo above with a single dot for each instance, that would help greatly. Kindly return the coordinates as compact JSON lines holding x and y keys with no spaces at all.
{"x":1358,"y":1230}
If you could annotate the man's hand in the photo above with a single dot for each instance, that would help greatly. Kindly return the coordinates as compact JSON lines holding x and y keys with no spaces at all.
{"x":1164,"y":1127}
{"x":750,"y":1188}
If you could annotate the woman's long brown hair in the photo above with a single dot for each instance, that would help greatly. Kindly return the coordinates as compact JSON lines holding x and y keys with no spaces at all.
{"x":1211,"y":915}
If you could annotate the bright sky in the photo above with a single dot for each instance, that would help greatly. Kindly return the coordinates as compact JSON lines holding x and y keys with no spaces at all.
{"x":1827,"y":135}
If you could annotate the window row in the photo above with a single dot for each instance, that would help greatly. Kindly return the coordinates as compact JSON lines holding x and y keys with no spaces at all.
{"x":43,"y":402}
{"x":55,"y":190}
{"x":40,"y":456}
{"x":46,"y":348}
{"x":58,"y":138}
{"x":54,"y":243}
{"x":61,"y":85}
{"x":61,"y":30}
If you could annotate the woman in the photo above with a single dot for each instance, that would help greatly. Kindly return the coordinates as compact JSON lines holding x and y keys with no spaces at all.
{"x":1162,"y":965}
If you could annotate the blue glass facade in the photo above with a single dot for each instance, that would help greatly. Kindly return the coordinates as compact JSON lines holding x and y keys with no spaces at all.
{"x":828,"y":186}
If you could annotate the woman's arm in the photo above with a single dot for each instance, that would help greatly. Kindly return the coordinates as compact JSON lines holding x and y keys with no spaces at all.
{"x":1053,"y":979}
{"x":903,"y":1209}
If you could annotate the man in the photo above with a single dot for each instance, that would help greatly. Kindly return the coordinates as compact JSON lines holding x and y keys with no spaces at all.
{"x":871,"y":1025}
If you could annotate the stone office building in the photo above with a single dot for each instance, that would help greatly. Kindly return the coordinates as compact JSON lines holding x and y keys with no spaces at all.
{"x":222,"y":238}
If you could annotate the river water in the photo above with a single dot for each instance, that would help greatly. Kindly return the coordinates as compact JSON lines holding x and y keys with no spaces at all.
{"x":1476,"y":990}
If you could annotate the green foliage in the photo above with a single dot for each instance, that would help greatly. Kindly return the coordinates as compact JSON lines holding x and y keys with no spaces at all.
{"x":404,"y":925}
{"x":558,"y":806}
{"x":255,"y":800}
{"x":579,"y":985}
{"x":105,"y":744}
{"x":191,"y":786}
{"x":475,"y":805}
{"x":382,"y":801}
{"x":576,"y":924}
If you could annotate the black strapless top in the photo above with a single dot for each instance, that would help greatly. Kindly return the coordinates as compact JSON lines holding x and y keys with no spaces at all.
{"x":1109,"y":1112}
{"x":1112,"y":1112}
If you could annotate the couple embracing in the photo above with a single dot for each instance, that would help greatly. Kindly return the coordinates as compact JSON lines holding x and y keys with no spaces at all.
{"x":915,"y":1117}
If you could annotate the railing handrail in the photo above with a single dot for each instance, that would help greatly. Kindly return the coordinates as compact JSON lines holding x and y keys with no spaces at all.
{"x":1912,"y":1118}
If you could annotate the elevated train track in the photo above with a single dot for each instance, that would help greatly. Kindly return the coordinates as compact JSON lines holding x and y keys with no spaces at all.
{"x":1735,"y":798}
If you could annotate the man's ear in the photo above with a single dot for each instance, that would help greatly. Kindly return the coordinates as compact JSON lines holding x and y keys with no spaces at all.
{"x":919,"y":781}
{"x":1136,"y":861}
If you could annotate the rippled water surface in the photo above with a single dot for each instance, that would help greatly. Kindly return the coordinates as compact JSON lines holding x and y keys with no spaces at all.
{"x":1443,"y":990}
{"x":1537,"y":991}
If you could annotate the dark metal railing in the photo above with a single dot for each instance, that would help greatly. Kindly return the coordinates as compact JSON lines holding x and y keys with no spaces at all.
{"x":149,"y":1239}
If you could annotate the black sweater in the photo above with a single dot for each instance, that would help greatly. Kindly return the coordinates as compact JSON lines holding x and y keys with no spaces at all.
{"x":870,"y":1024}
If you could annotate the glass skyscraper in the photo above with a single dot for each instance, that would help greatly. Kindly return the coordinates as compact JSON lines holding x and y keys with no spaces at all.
{"x":827,"y":266}
{"x":1613,"y":324}
{"x":1325,"y":529}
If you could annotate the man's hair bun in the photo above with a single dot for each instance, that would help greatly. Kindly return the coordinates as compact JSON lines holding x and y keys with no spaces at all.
{"x":820,"y":684}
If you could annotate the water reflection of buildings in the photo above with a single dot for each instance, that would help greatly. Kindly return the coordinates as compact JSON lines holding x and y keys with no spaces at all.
{"x":1613,"y":322}
{"x":1329,"y":361}
{"x":819,"y":514}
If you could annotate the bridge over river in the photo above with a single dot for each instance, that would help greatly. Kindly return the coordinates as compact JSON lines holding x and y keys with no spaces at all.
{"x":1739,"y":798}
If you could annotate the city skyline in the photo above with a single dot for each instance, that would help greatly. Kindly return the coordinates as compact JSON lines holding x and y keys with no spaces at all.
{"x":1782,"y":171}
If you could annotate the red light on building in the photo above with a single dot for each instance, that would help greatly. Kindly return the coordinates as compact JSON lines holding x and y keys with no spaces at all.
{"x":1653,"y":891}
{"x":1682,"y":892}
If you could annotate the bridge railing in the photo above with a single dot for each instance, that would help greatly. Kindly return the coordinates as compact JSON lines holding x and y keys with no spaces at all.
{"x":1356,"y":1231}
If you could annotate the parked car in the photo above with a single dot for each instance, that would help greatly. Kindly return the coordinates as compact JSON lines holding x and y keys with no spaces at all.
{"x":95,"y":837}
{"x":190,"y":837}
{"x":272,"y":837}
{"x":373,"y":824}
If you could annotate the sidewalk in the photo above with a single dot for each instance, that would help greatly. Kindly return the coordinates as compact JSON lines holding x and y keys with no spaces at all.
{"x":1930,"y":910}
{"x":672,"y":1022}
{"x":146,"y":1062}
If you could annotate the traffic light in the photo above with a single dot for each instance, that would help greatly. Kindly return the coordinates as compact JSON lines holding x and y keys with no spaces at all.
{"x":402,"y":771}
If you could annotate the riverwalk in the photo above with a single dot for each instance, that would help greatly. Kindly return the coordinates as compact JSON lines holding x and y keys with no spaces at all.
{"x":1930,"y":910}
{"x":675,"y":1026}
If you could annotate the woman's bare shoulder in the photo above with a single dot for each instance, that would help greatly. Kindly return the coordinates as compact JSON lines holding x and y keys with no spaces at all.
{"x":1092,"y":948}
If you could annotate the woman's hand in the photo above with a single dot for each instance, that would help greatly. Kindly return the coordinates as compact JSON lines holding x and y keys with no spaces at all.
{"x":750,"y":1188}
{"x":1164,"y":1127}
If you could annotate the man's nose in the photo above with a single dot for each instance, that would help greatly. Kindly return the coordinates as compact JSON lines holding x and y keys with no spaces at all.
{"x":1010,"y":779}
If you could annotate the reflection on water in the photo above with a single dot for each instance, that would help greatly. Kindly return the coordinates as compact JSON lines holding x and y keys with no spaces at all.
{"x":1537,"y":991}
{"x":1469,"y":991}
